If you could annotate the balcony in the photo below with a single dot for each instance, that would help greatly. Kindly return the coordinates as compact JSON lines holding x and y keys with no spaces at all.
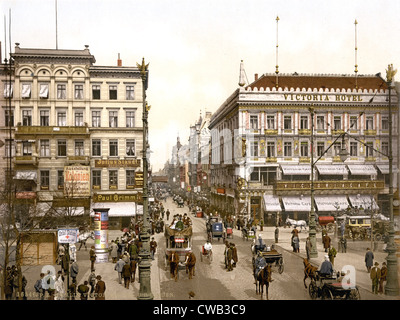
{"x":305,"y":132}
{"x":370,"y":132}
{"x":271,"y":132}
{"x":78,"y":160}
{"x":26,"y":160}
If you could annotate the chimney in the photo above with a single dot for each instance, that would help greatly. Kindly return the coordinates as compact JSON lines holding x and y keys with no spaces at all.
{"x":255,"y":76}
{"x":119,"y":61}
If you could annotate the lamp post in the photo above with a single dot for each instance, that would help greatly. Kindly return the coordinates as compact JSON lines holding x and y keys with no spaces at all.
{"x":392,"y":284}
{"x":145,"y":261}
{"x":311,"y":219}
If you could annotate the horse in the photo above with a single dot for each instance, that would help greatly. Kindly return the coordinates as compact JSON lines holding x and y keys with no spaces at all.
{"x":173,"y":259}
{"x":263,"y":278}
{"x":190,"y":262}
{"x":310,"y":271}
{"x":296,"y":223}
{"x":82,"y":238}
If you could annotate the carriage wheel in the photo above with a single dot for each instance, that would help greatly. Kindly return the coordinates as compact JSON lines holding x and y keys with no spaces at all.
{"x":354,"y":294}
{"x":313,"y":290}
{"x":330,"y":227}
{"x":326,"y":294}
{"x":378,"y":237}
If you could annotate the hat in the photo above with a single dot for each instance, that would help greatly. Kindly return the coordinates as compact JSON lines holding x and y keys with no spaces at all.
{"x":376,"y":263}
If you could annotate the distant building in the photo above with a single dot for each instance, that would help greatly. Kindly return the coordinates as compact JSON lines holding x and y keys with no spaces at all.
{"x":264,"y":167}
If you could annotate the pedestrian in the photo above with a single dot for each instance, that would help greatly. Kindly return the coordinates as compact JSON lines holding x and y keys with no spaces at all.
{"x":134,"y":250}
{"x":100,"y":289}
{"x":74,"y":270}
{"x":308,"y":247}
{"x":369,"y":259}
{"x":326,"y":240}
{"x":276,"y":234}
{"x":296,"y":244}
{"x":228,"y":257}
{"x":72,"y":289}
{"x":332,"y":254}
{"x":113,"y":251}
{"x":375,"y":275}
{"x":234,"y":254}
{"x":167,"y":213}
{"x":92,"y":257}
{"x":83,"y":289}
{"x":126,"y":274}
{"x":9,"y":288}
{"x":119,"y":266}
{"x":92,"y":283}
{"x":343,"y":244}
{"x":383,"y":277}
{"x":19,"y":290}
{"x":153,"y":247}
{"x":59,"y":287}
{"x":38,"y":287}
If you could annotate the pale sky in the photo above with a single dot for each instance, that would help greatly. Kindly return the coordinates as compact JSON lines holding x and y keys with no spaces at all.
{"x":194,"y":47}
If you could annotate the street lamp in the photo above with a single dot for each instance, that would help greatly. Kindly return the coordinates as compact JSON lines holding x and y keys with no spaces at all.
{"x":392,"y":282}
{"x":145,"y":261}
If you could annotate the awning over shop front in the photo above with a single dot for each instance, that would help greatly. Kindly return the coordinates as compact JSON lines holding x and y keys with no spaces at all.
{"x":362,"y":169}
{"x":117,"y":209}
{"x":271,"y":203}
{"x":296,"y":169}
{"x":332,"y":169}
{"x":331,"y":203}
{"x":363,"y":200}
{"x":26,"y":175}
{"x":297,"y":203}
{"x":384,"y":168}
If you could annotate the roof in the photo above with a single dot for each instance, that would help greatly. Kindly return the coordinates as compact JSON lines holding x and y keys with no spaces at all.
{"x":320,"y":81}
{"x":53,"y":53}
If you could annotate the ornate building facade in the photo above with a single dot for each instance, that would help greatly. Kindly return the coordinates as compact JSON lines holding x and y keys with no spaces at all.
{"x":77,"y":137}
{"x":268,"y":171}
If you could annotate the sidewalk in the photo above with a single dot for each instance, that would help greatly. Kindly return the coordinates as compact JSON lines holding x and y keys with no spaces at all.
{"x":354,"y":256}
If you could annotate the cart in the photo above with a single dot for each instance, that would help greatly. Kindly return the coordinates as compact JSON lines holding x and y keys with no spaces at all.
{"x":215,"y":229}
{"x":329,"y":288}
{"x":327,"y":223}
{"x":206,"y":253}
{"x":179,"y":241}
{"x":248,"y":234}
{"x":271,"y":256}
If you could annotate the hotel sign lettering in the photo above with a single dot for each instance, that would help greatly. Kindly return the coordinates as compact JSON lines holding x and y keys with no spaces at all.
{"x":323,"y":97}
{"x":329,"y":185}
{"x":117,"y":163}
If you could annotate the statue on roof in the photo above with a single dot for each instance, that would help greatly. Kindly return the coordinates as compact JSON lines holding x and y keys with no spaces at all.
{"x":390,"y":73}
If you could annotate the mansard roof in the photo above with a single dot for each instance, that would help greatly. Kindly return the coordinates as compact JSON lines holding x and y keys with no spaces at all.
{"x":320,"y":81}
{"x":47,"y":54}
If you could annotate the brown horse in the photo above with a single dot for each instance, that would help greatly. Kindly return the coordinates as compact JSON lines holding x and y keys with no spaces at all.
{"x":190,"y":261}
{"x":263,"y":278}
{"x":173,"y":259}
{"x":310,"y":271}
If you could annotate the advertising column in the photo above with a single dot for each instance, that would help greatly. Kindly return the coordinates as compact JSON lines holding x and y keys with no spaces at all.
{"x":101,"y":234}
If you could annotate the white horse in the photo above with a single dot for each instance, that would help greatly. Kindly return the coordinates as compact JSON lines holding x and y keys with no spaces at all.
{"x":296,"y":223}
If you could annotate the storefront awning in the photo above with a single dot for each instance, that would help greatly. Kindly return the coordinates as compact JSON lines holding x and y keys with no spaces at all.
{"x":363,"y":200}
{"x":117,"y":209}
{"x":331,"y":203}
{"x":297,"y":203}
{"x":271,"y":203}
{"x":384,"y":168}
{"x":332,"y":169}
{"x":26,"y":175}
{"x":296,"y":169}
{"x":362,"y":169}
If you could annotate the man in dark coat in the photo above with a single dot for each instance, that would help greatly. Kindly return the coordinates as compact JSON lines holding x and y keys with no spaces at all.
{"x":92,"y":255}
{"x":83,"y":289}
{"x":99,"y":291}
{"x":126,"y":274}
{"x":369,"y":259}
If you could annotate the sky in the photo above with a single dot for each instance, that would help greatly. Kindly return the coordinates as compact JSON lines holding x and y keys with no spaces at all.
{"x":195,"y":47}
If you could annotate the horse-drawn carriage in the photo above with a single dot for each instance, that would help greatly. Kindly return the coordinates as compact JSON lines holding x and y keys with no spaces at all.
{"x":248,"y":233}
{"x":329,"y":288}
{"x":215,"y":229}
{"x":326,"y":223}
{"x":178,"y":246}
{"x":270,"y":254}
